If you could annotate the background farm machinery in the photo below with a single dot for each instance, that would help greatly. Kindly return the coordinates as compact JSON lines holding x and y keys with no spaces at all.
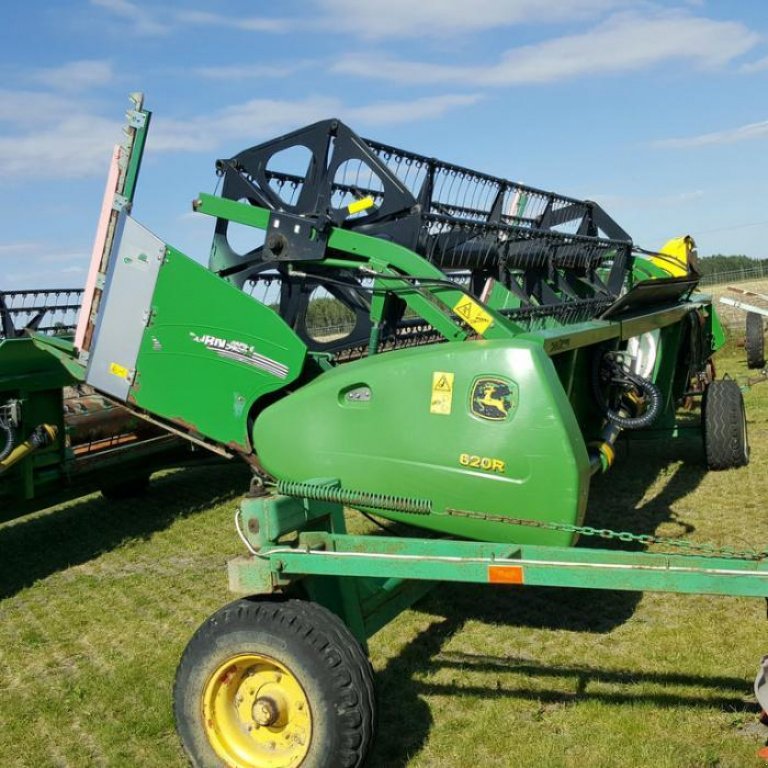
{"x":496,"y":342}
{"x":754,"y":336}
{"x":59,"y":439}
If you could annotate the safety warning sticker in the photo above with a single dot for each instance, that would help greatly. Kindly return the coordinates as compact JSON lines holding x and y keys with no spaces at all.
{"x":473,"y":314}
{"x":442,"y":393}
{"x":119,"y":370}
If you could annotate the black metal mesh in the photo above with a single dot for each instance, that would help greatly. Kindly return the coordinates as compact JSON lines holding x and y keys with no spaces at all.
{"x":562,"y":259}
{"x":566,"y":313}
{"x":472,"y":196}
{"x":409,"y":333}
{"x":470,"y":219}
{"x":52,"y":311}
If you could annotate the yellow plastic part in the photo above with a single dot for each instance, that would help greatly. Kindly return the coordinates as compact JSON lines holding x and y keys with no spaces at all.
{"x":363,"y":204}
{"x":607,"y":454}
{"x":256,"y":714}
{"x":23,"y":450}
{"x":606,"y":449}
{"x":677,"y":256}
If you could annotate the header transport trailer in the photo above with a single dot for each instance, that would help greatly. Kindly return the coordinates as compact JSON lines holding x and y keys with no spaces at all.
{"x":491,"y":342}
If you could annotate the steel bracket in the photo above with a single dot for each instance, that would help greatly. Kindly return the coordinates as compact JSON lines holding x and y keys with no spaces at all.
{"x":136,"y":119}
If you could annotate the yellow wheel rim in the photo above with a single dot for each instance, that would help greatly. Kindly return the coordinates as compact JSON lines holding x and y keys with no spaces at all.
{"x":256,"y":714}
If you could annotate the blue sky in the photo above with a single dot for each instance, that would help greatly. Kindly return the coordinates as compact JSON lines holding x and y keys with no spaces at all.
{"x":657,"y":110}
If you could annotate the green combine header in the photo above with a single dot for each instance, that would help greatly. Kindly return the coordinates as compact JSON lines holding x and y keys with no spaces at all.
{"x":422,"y":343}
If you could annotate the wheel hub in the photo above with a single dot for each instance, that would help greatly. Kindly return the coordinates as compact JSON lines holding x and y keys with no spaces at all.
{"x":265,"y":711}
{"x":256,"y":714}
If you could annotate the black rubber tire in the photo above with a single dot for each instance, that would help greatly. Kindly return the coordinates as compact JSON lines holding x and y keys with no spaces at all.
{"x":724,"y":423}
{"x":311,"y":642}
{"x":754,"y":343}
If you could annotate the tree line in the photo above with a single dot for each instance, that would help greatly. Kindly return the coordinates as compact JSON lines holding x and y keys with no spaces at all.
{"x":719,"y":262}
{"x":327,"y":312}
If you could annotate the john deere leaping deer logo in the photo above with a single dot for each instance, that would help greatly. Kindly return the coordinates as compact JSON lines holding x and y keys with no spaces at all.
{"x":493,"y":399}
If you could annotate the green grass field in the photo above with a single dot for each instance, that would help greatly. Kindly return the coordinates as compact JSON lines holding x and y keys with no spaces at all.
{"x":97,"y":601}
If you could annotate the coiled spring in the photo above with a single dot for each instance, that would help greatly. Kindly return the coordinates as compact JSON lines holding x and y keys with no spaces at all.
{"x":355,"y":498}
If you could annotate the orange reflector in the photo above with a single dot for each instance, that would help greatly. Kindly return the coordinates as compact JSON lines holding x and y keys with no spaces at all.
{"x":505,"y":574}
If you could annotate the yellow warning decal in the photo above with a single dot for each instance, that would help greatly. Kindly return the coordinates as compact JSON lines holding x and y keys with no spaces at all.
{"x":360,"y":205}
{"x":473,"y":314}
{"x":442,"y":393}
{"x":118,"y":370}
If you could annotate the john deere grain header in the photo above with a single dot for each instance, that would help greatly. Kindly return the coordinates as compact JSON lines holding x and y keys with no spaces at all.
{"x":424,"y":344}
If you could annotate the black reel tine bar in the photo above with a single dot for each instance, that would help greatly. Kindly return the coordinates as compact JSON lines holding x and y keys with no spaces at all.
{"x":564,"y":260}
{"x":52,"y":311}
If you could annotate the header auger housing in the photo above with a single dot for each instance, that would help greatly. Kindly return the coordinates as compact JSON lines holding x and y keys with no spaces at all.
{"x":483,"y":346}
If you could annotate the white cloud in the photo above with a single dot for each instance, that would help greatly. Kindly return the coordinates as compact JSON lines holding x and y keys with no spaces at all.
{"x":251,"y":72}
{"x":247,"y":23}
{"x":261,"y":119}
{"x":164,"y":19}
{"x":68,"y":277}
{"x":419,"y":18}
{"x":390,"y":112}
{"x":755,"y":66}
{"x":78,"y":144}
{"x":75,"y":146}
{"x":75,"y":75}
{"x":399,"y":18}
{"x":28,"y":264}
{"x":8,"y":250}
{"x":32,"y":108}
{"x":625,"y":42}
{"x":255,"y":119}
{"x":144,"y":22}
{"x":747,"y":132}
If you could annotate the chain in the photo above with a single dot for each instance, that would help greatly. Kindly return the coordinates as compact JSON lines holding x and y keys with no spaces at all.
{"x":707,"y":550}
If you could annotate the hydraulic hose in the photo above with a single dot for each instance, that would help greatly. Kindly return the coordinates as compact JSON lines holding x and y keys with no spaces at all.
{"x":653,"y":400}
{"x":41,"y":436}
{"x":6,"y":430}
{"x":608,"y":371}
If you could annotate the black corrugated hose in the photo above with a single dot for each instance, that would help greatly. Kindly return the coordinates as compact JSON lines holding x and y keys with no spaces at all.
{"x":608,"y":371}
{"x":6,"y":430}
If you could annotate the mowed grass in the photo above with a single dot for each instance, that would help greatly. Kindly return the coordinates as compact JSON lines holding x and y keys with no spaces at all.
{"x":97,"y":601}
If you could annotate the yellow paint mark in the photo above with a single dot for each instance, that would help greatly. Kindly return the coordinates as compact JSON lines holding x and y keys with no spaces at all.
{"x":442,"y":393}
{"x":363,"y":204}
{"x":118,"y":370}
{"x":473,"y":314}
